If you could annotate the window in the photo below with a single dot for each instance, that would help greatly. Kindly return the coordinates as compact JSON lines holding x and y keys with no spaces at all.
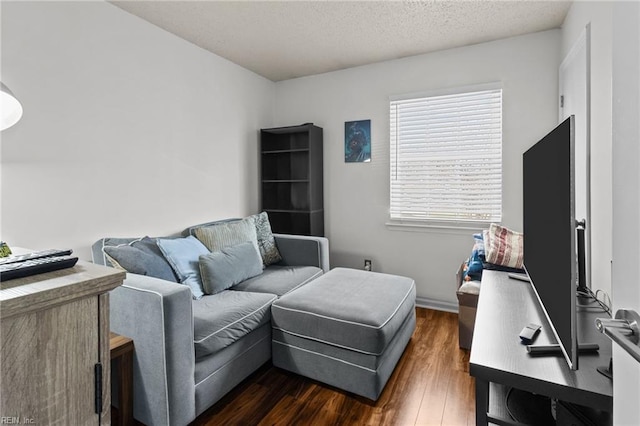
{"x":446,"y":157}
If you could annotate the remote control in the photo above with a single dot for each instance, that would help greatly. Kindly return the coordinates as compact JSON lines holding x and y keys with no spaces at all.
{"x":26,"y":268}
{"x":529,"y":333}
{"x":34,"y":255}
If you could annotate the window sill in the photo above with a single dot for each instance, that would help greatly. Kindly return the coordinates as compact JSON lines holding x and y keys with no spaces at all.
{"x":441,"y":227}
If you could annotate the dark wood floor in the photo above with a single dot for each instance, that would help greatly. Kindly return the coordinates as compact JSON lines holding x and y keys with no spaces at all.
{"x":430,"y":386}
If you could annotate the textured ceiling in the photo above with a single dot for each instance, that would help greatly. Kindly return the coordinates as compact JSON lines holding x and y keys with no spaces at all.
{"x":287,"y":39}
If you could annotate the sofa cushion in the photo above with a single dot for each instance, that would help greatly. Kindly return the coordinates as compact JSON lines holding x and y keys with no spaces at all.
{"x":231,"y":265}
{"x":217,"y":237}
{"x":280,"y":280}
{"x":141,"y":256}
{"x":264,"y":235}
{"x":223,"y":318}
{"x":192,"y":229}
{"x":266,"y":241}
{"x":99,"y":257}
{"x":183,"y":254}
{"x":470,"y":287}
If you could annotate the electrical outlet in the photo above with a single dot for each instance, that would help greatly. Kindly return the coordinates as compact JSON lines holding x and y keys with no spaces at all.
{"x":367,"y":265}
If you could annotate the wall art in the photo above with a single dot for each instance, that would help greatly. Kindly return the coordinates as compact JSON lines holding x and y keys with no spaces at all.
{"x":357,"y":141}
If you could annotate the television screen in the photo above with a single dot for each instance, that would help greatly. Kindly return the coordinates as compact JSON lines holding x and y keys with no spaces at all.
{"x":549,"y":231}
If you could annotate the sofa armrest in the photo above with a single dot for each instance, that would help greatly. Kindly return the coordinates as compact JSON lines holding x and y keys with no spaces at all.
{"x":302,"y":250}
{"x":157,"y":315}
{"x":460,"y":275}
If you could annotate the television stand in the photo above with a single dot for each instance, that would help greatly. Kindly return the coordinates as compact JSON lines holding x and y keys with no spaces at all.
{"x":498,"y":359}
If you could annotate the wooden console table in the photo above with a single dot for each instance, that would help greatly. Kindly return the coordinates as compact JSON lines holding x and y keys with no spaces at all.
{"x":54,"y":361}
{"x":498,"y":358}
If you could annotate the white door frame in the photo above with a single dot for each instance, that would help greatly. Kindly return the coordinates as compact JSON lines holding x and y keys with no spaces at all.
{"x":626,"y":199}
{"x":574,"y":84}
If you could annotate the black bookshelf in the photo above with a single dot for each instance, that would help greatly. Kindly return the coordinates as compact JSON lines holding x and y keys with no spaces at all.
{"x":291,"y":179}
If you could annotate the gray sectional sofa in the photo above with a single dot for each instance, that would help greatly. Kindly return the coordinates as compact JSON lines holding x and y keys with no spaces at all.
{"x":189,"y":353}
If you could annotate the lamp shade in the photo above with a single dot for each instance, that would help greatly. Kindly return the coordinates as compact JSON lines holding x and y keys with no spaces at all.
{"x":10,"y":108}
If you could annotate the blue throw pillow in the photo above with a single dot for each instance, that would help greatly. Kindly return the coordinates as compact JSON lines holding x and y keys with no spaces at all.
{"x":141,"y":257}
{"x":183,"y":254}
{"x":231,"y":265}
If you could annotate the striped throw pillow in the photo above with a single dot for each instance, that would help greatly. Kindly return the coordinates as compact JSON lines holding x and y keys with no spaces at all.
{"x":226,"y":234}
{"x":504,"y":247}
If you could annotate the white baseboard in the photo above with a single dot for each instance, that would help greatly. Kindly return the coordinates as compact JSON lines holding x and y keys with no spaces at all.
{"x":438,"y":305}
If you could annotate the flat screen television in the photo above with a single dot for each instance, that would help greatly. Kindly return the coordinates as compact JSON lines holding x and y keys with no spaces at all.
{"x":549,"y":223}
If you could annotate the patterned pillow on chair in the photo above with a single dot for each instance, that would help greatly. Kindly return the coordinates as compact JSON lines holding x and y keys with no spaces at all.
{"x":504,"y":247}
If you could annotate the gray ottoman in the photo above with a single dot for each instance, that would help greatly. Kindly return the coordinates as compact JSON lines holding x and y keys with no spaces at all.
{"x":347,"y":329}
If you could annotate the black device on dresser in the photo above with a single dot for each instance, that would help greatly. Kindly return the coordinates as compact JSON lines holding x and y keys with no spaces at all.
{"x":33,"y":263}
{"x":507,"y":367}
{"x":550,"y":249}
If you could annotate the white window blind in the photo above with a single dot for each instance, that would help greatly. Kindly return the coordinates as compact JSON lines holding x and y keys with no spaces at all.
{"x":446,"y":157}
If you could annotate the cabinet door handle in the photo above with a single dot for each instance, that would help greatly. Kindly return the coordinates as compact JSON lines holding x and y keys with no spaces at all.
{"x":98,"y":387}
{"x":623,"y":330}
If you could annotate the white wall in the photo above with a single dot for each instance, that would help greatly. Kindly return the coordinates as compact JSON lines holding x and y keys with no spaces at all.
{"x":127,"y":129}
{"x":599,"y":15}
{"x":357,"y":194}
{"x":146,"y":133}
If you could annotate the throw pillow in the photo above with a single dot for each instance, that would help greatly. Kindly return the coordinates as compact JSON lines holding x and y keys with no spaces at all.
{"x":266,"y":241}
{"x":223,"y":269}
{"x":217,"y":237}
{"x":141,"y":257}
{"x":183,"y":254}
{"x":505,"y":247}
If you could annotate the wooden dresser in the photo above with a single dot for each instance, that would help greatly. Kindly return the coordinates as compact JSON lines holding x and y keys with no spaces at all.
{"x":54,"y":343}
